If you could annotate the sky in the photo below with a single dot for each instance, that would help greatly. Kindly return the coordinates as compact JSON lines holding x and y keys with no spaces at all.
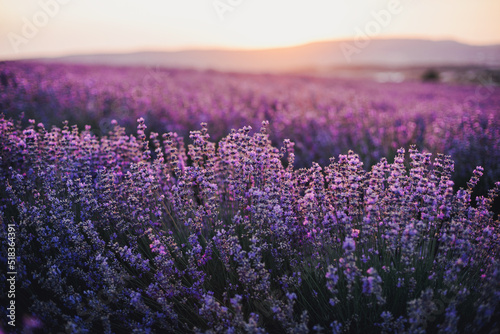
{"x":36,"y":28}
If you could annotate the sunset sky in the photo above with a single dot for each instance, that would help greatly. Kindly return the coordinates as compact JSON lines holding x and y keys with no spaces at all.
{"x":61,"y":27}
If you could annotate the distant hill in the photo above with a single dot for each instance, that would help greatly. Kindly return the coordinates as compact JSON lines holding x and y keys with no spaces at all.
{"x":313,"y":56}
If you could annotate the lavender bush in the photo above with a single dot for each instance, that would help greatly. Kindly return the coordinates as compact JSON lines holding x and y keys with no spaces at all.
{"x":139,"y":233}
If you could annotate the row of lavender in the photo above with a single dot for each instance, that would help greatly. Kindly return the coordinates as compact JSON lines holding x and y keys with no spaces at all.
{"x":324,"y":117}
{"x":116,"y":235}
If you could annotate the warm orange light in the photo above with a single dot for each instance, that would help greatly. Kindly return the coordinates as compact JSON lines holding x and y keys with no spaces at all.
{"x":54,"y":27}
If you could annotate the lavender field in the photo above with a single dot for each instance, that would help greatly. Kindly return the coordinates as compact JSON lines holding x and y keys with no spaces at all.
{"x":154,"y":200}
{"x":323,"y":117}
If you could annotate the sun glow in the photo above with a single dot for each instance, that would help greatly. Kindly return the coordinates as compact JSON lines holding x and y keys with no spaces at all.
{"x":53,"y":27}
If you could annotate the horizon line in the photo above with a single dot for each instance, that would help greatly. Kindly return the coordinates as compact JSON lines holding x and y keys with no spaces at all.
{"x":236,"y":49}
